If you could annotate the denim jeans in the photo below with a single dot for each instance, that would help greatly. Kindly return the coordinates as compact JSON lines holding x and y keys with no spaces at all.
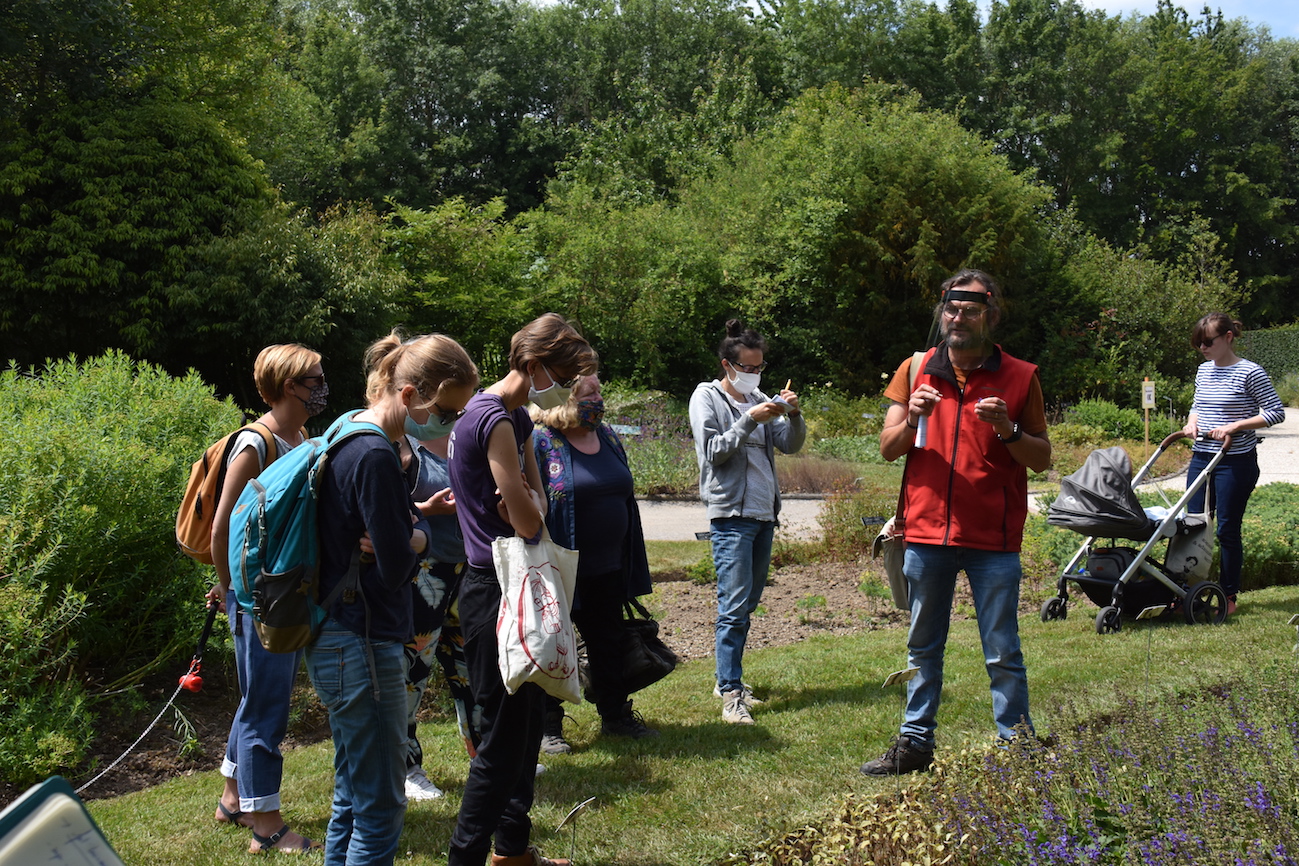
{"x":1233,"y":482}
{"x":369,"y":743}
{"x":994,"y":581}
{"x":742,"y":557}
{"x":499,"y":790}
{"x":266,"y":680}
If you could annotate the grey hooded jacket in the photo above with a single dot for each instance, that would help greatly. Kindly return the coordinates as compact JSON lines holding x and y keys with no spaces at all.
{"x":721,"y":430}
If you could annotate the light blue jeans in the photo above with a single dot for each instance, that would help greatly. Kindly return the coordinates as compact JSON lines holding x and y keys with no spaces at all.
{"x":742,"y":558}
{"x":266,"y":680}
{"x":369,"y":743}
{"x":994,"y":581}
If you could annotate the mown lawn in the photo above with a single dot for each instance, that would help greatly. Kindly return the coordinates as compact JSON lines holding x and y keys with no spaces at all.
{"x":705,"y":790}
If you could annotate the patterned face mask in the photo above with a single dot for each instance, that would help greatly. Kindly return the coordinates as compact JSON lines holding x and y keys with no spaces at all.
{"x":315,"y":403}
{"x":590,"y":412}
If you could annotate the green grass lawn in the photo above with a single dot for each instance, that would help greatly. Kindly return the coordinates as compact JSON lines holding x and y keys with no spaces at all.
{"x":705,"y":789}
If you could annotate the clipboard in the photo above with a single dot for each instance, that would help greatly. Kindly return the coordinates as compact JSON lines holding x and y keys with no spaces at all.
{"x":49,"y":823}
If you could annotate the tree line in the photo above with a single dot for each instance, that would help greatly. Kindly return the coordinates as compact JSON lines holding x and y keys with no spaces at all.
{"x":190,"y":181}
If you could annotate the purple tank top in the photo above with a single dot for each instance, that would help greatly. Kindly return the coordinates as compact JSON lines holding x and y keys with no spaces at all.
{"x":471,"y":474}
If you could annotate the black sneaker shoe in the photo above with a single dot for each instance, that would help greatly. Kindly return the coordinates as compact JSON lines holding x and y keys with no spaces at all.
{"x":629,"y":724}
{"x":902,"y":757}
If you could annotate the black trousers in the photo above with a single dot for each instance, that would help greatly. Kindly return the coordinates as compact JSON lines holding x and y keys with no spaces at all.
{"x":499,"y":790}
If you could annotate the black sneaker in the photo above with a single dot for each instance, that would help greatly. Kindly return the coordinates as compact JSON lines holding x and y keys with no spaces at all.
{"x":629,"y":724}
{"x":902,"y":757}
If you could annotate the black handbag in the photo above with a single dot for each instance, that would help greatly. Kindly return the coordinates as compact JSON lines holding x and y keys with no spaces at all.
{"x":645,"y":658}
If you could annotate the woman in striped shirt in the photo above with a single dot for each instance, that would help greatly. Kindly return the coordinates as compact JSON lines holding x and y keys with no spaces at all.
{"x":1233,"y":397}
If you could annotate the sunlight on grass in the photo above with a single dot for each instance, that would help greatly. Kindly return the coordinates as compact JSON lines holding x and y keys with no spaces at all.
{"x":706,"y":789}
{"x":670,"y":556}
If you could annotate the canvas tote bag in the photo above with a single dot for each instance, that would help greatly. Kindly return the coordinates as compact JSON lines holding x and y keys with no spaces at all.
{"x":534,"y":627}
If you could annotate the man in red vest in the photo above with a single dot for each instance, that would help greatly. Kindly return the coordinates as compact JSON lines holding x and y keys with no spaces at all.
{"x":969,"y":425}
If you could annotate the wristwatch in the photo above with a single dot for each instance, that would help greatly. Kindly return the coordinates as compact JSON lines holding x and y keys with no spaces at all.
{"x":1015,"y":434}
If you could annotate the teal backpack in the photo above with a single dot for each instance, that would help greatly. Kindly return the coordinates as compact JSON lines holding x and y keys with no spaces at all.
{"x":275,"y":543}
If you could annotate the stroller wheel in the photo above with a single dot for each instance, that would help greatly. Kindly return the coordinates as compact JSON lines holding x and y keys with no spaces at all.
{"x":1205,"y":604}
{"x":1108,"y":621}
{"x":1054,"y":608}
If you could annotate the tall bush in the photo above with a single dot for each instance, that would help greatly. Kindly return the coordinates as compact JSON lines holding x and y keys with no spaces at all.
{"x":94,"y":593}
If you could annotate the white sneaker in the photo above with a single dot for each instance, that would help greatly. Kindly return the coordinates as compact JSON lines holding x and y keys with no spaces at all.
{"x":735,"y":710}
{"x":748,"y":695}
{"x":541,"y":768}
{"x":418,"y":786}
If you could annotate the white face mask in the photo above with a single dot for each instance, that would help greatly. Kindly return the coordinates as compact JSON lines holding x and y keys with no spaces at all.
{"x":548,"y":398}
{"x":745,"y":383}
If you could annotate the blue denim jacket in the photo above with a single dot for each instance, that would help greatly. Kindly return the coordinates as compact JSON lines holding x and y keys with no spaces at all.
{"x":555,"y":461}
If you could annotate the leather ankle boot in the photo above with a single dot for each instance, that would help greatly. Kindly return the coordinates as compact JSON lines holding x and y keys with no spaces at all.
{"x":531,"y":857}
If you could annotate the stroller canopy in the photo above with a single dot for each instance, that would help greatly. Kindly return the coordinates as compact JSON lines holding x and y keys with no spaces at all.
{"x":1098,"y":499}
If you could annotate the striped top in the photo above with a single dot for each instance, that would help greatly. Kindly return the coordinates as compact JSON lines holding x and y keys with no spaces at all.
{"x":1234,"y":393}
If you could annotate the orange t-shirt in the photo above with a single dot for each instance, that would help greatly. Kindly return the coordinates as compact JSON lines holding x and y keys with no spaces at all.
{"x":1033,"y":420}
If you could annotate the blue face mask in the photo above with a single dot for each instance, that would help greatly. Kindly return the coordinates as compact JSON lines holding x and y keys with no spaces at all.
{"x":433,"y":428}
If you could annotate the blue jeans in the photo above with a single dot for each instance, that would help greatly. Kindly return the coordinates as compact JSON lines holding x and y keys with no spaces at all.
{"x":994,"y":581}
{"x":1233,"y":482}
{"x":266,"y":680}
{"x":369,"y":743}
{"x":742,"y":557}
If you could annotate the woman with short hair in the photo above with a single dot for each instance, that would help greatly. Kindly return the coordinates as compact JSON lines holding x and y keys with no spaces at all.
{"x":290,"y":379}
{"x":499,"y":493}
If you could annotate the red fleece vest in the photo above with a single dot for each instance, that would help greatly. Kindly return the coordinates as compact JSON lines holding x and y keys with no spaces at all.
{"x":964,"y":489}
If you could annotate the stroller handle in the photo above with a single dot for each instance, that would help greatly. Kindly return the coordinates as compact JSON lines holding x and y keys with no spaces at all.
{"x":1181,"y":434}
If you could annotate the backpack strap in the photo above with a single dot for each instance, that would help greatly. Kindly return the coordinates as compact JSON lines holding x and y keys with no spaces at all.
{"x":912,"y":373}
{"x":345,"y":428}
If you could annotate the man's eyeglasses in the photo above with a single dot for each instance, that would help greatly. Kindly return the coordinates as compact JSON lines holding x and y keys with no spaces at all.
{"x":1205,"y":344}
{"x":971,"y":314}
{"x":446,"y":416}
{"x":748,"y":368}
{"x":311,"y":381}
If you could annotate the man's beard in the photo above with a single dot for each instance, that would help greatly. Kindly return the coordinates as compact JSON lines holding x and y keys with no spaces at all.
{"x":965,"y":339}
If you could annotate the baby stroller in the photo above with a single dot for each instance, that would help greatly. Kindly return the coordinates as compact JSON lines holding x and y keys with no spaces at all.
{"x":1100,"y":501}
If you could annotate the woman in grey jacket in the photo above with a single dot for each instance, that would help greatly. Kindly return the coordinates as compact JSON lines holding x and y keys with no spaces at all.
{"x":737,"y":429}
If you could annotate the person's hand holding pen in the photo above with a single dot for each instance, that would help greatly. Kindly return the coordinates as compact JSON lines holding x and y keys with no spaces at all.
{"x":785,"y":403}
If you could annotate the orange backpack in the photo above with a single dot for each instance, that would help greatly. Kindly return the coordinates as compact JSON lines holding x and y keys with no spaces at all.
{"x":206,"y":477}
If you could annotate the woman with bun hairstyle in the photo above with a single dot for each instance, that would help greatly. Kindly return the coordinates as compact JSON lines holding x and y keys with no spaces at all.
{"x":737,"y":430}
{"x":367,"y":520}
{"x":1233,"y":397}
{"x":499,"y":493}
{"x":291,"y":381}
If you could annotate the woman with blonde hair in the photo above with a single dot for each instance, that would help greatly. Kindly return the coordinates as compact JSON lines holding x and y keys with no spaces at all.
{"x":368,"y":525}
{"x":290,"y":379}
{"x":499,"y":493}
{"x":592,"y":509}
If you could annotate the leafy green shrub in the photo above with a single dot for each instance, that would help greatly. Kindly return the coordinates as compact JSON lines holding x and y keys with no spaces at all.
{"x":1119,"y":423}
{"x":703,"y":572}
{"x":95,"y":592}
{"x":1287,"y":388}
{"x":853,"y":449}
{"x":843,"y":537}
{"x":830,"y":413}
{"x":1275,"y":349}
{"x":1270,"y":531}
{"x":655,"y":429}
